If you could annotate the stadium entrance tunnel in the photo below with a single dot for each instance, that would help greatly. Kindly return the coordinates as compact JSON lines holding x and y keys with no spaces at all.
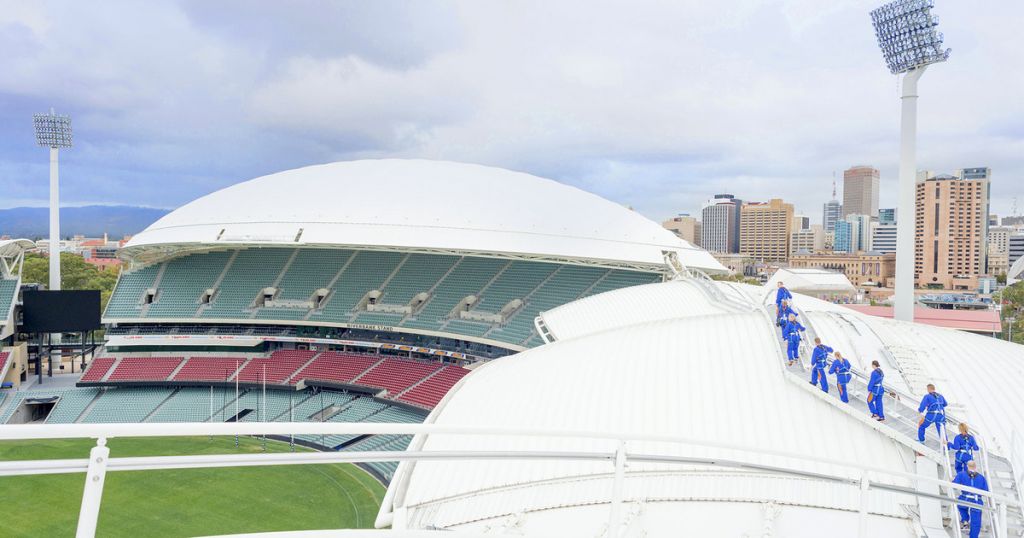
{"x":33,"y":410}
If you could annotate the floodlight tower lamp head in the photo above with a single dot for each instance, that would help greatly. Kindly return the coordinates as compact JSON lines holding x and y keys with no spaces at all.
{"x":906,"y":33}
{"x":52,"y":130}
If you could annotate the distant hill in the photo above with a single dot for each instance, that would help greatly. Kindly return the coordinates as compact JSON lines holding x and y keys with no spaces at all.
{"x":91,"y":221}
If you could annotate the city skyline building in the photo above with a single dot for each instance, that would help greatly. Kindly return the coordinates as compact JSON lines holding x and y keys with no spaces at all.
{"x":860,"y":191}
{"x":720,"y":224}
{"x":765,"y":230}
{"x":887,"y":215}
{"x":685,"y":227}
{"x":883,"y":238}
{"x":951,"y":228}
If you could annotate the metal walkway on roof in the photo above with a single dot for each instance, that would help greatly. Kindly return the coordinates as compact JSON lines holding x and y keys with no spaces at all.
{"x":901,"y":425}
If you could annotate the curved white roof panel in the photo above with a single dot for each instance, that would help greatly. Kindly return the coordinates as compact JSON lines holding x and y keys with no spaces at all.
{"x":417,"y":205}
{"x":706,"y":373}
{"x":10,"y":248}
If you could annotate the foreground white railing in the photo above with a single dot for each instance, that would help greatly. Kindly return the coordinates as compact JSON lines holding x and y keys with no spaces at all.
{"x":867,"y":478}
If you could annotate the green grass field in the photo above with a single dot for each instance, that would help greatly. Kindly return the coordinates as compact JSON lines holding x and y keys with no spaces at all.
{"x":188,"y":502}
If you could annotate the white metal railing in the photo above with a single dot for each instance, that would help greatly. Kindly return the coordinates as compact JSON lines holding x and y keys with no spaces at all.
{"x":865,"y":477}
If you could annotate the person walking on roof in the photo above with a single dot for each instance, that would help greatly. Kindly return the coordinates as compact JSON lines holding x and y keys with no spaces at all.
{"x":841,"y":367}
{"x":791,"y":332}
{"x":933,"y":409}
{"x":875,"y":392}
{"x":819,"y":361}
{"x":785,"y":313}
{"x":781,"y":294}
{"x":963,"y":446}
{"x":970,"y":517}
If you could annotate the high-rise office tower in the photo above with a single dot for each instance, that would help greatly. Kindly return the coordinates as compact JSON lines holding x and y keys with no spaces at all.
{"x":887,"y":215}
{"x":720,"y":224}
{"x":765,"y":230}
{"x":952,"y":228}
{"x":860,"y":191}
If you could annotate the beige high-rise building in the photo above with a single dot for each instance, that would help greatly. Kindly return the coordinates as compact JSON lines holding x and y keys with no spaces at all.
{"x":810,"y":240}
{"x":952,"y":229}
{"x":765,"y":230}
{"x":860,"y":191}
{"x":684,"y":226}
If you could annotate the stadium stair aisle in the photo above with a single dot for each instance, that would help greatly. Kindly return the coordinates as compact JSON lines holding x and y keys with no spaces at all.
{"x":901,"y":423}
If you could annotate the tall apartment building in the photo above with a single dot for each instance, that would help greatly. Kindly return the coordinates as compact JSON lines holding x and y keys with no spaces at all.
{"x":765,"y":230}
{"x":952,"y":228}
{"x":685,"y":227}
{"x":860,"y":191}
{"x":831,"y":213}
{"x":720,"y":224}
{"x":810,"y":240}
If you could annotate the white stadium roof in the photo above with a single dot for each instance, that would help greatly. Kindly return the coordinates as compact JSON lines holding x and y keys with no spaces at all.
{"x":812,"y":281}
{"x":417,"y":205}
{"x":693,"y":366}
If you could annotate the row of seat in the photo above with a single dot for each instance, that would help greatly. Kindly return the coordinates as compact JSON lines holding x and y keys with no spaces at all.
{"x":419,"y":383}
{"x":239,"y":277}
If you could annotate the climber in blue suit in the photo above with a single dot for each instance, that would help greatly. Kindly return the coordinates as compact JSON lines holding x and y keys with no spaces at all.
{"x":819,"y":361}
{"x":963,"y":446}
{"x":875,"y":392}
{"x":782,"y":294}
{"x":933,"y":407}
{"x":841,"y":367}
{"x":785,"y":313}
{"x":971,"y":517}
{"x":792,"y":332}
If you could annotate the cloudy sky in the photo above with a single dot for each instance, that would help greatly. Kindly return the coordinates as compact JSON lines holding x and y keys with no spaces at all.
{"x":657,"y":105}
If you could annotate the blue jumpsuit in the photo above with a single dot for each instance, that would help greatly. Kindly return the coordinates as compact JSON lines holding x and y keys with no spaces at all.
{"x":784,"y":319}
{"x":973,"y":515}
{"x":792,"y":333}
{"x":782,"y":295}
{"x":964,"y":445}
{"x":933,"y":405}
{"x":841,"y":367}
{"x":876,"y":388}
{"x":819,"y":360}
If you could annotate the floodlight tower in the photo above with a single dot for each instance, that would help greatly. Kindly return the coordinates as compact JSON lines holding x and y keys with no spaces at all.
{"x":53,"y":131}
{"x":906,"y":33}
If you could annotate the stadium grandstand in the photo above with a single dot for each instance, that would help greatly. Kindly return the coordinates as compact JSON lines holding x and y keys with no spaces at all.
{"x":12,"y":256}
{"x":312,"y":295}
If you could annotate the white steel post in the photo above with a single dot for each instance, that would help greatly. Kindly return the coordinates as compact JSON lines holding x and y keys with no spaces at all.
{"x":54,"y":246}
{"x":615,"y":517}
{"x":862,"y":520}
{"x":907,"y":207}
{"x":93,"y":493}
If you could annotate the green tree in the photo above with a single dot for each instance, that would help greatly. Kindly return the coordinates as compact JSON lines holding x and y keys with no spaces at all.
{"x":736,"y":278}
{"x":75,"y":274}
{"x":1012,"y":298}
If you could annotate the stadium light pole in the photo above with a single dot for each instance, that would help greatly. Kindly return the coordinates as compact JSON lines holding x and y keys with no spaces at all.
{"x":53,"y":131}
{"x":906,"y":33}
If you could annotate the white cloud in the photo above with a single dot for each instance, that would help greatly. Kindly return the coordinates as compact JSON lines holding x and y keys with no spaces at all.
{"x":653,"y":104}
